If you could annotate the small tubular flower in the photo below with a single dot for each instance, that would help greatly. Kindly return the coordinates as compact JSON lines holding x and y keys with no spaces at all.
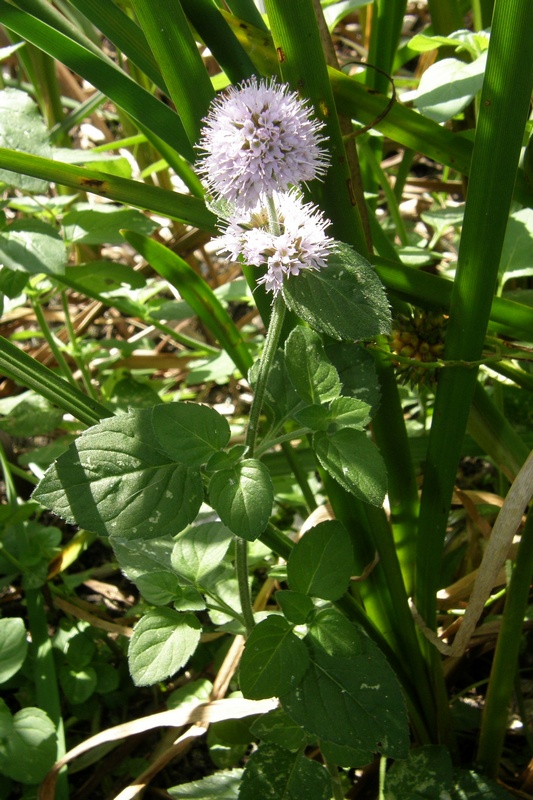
{"x":301,"y":243}
{"x":259,"y":138}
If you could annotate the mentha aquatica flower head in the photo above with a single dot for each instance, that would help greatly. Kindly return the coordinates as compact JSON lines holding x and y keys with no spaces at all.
{"x":260,"y":138}
{"x":300,"y":244}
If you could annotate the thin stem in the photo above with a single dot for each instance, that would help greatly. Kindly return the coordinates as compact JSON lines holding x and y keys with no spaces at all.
{"x":52,"y":343}
{"x":336,"y":785}
{"x":241,"y":569}
{"x":300,"y":475}
{"x":77,"y":356}
{"x":382,"y":776}
{"x":269,"y":351}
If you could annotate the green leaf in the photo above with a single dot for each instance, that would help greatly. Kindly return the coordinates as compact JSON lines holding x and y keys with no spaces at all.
{"x":316,"y":380}
{"x":296,"y":606}
{"x":424,"y":775}
{"x":28,"y":414}
{"x":199,"y":549}
{"x":22,"y":128}
{"x":281,"y":397}
{"x":243,"y":497}
{"x":447,"y":87}
{"x":349,"y":693}
{"x":322,"y":562}
{"x":357,"y":371}
{"x":78,"y":685}
{"x":354,"y":461}
{"x":348,"y":412}
{"x":277,"y":727}
{"x":189,"y":432}
{"x":346,"y":300}
{"x":273,"y":772}
{"x":13,"y":646}
{"x":80,"y":651}
{"x":28,"y":744}
{"x":159,"y":588}
{"x":101,"y":224}
{"x":32,"y":246}
{"x":162,"y":643}
{"x":471,"y":786}
{"x":115,"y":479}
{"x":274,"y":659}
{"x":222,"y":785}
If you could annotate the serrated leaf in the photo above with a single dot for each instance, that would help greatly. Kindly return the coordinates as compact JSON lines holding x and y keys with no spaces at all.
{"x":199,"y":549}
{"x":346,"y":300}
{"x":295,"y":606}
{"x":159,"y":588}
{"x":34,"y":247}
{"x":425,"y":774}
{"x":101,"y":224}
{"x":272,"y":773}
{"x":313,"y":375}
{"x":276,"y":727}
{"x":189,"y":432}
{"x":349,"y":695}
{"x":281,"y":397}
{"x":116,"y":479}
{"x":357,"y":371}
{"x":322,"y":561}
{"x":22,"y":128}
{"x":13,"y":646}
{"x":28,"y":744}
{"x":274,"y":659}
{"x":348,"y":412}
{"x":243,"y":497}
{"x":354,"y":461}
{"x":163,"y":641}
{"x":222,"y":785}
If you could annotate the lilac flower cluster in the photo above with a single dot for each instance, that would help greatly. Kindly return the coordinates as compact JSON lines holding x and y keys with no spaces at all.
{"x":260,"y":141}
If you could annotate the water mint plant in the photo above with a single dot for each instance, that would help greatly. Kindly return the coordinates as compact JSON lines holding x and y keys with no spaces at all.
{"x":232,"y":460}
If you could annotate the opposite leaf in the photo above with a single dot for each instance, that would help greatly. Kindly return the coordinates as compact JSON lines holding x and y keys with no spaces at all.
{"x":273,"y":773}
{"x":321,"y":562}
{"x":115,"y":478}
{"x":346,"y":300}
{"x":313,"y":375}
{"x":189,"y":432}
{"x":274,"y":660}
{"x":243,"y":497}
{"x":354,"y":461}
{"x":162,"y":642}
{"x":28,"y":744}
{"x":199,"y":549}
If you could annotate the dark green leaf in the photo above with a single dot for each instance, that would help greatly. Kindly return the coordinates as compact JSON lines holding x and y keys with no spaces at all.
{"x":189,"y":432}
{"x":273,"y":773}
{"x":349,"y":695}
{"x":322,"y":561}
{"x":425,"y":774}
{"x":243,"y":497}
{"x":222,"y":785}
{"x":277,"y":727}
{"x":274,"y":659}
{"x":281,"y":397}
{"x":116,"y":479}
{"x":471,"y":786}
{"x":314,"y":377}
{"x":348,"y":412}
{"x":354,"y":461}
{"x":199,"y":549}
{"x":162,"y":643}
{"x":296,"y":606}
{"x":78,"y":685}
{"x":28,"y":414}
{"x":13,"y":646}
{"x":346,"y":300}
{"x":357,"y":371}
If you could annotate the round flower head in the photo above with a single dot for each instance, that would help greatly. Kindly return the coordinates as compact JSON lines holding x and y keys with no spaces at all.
{"x":260,"y":138}
{"x":301,"y":243}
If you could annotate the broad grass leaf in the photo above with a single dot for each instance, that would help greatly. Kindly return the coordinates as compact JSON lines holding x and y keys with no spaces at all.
{"x":163,"y":641}
{"x":199,"y":549}
{"x":13,"y":646}
{"x":273,"y":772}
{"x":115,"y":478}
{"x":243,"y":497}
{"x":346,"y":300}
{"x":322,"y":561}
{"x":189,"y":432}
{"x":274,"y":660}
{"x":28,"y":744}
{"x":315,"y":378}
{"x":354,"y":461}
{"x":349,"y":695}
